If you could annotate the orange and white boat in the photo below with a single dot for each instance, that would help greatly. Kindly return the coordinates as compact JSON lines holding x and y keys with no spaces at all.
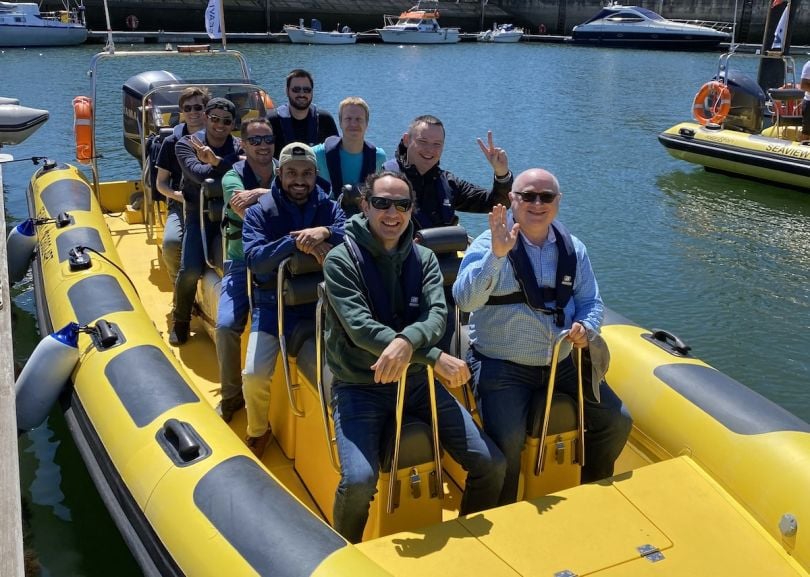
{"x":417,"y":26}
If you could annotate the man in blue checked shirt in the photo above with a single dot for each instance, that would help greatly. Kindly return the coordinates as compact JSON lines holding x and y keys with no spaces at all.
{"x":514,"y":324}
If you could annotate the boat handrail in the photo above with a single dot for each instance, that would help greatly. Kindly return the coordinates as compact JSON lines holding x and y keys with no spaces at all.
{"x":787,"y":59}
{"x":720,"y":26}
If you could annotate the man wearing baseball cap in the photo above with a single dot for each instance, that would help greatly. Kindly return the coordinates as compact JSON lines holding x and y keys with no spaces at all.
{"x":297,"y":214}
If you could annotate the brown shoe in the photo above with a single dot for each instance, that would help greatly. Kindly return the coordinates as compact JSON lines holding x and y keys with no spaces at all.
{"x":257,"y":445}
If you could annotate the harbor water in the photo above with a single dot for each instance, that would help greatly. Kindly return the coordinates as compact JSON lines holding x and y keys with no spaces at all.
{"x":723,"y":263}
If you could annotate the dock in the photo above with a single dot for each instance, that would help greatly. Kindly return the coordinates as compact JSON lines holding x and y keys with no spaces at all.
{"x":11,"y":545}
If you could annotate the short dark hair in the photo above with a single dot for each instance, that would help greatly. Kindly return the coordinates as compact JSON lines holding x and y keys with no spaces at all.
{"x":371,"y":179}
{"x":253,"y":121}
{"x":299,"y":73}
{"x":192,"y":92}
{"x":428,"y":119}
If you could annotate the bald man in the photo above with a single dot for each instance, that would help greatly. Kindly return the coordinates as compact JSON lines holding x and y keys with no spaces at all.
{"x":524,"y":281}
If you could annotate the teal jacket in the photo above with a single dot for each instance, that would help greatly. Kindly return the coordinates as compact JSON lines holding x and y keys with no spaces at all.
{"x":354,"y":339}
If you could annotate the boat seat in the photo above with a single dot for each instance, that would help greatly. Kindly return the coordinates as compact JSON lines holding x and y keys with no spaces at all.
{"x":784,"y":94}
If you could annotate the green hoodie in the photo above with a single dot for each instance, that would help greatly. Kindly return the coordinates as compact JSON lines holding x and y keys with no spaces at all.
{"x":354,"y":339}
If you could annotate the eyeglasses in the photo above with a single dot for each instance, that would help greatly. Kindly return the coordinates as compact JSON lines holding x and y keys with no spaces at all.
{"x":382,"y":203}
{"x":220,"y":119}
{"x":257,"y":140}
{"x":545,"y":197}
{"x":194,"y":107}
{"x":300,"y":89}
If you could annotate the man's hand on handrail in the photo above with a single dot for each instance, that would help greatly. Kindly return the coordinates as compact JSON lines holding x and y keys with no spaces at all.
{"x":453,"y":372}
{"x":392,"y":361}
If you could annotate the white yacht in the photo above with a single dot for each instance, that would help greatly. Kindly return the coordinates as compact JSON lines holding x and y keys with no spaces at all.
{"x":635,"y":27}
{"x":24,"y":25}
{"x":504,"y":33}
{"x":316,"y":35}
{"x":417,"y":26}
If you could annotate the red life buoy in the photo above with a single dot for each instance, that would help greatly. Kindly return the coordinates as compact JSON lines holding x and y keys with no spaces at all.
{"x":132,"y":22}
{"x":791,"y":107}
{"x":83,"y":128}
{"x":712,"y":103}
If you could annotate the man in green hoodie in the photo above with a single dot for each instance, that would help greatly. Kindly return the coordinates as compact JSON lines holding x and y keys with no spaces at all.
{"x":387,"y":311}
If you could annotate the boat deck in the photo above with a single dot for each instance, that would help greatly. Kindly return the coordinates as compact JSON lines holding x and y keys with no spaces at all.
{"x":668,"y":518}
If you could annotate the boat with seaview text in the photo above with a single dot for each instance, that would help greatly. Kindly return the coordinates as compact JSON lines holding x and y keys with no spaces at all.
{"x":417,"y":25}
{"x":23,"y":25}
{"x":710,"y":482}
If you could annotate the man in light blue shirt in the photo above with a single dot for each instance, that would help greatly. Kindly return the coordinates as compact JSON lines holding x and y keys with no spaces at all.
{"x":514,"y":324}
{"x":350,"y":159}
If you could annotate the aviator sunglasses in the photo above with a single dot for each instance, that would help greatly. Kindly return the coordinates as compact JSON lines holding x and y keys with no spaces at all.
{"x":220,"y":119}
{"x":300,"y":89}
{"x":194,"y":107}
{"x":258,"y":139}
{"x":532,"y":197}
{"x":382,"y":203}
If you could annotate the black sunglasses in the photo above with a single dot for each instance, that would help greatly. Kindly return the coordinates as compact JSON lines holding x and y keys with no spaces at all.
{"x":257,"y":140}
{"x":220,"y":119}
{"x":382,"y":203}
{"x":531,"y":197}
{"x":300,"y":89}
{"x":194,"y":107}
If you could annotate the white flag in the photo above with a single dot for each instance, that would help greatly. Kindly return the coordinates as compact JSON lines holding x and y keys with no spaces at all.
{"x":213,"y":20}
{"x":779,"y":34}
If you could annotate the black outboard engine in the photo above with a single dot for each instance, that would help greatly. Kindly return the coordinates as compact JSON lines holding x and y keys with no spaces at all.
{"x":747,"y":103}
{"x":162,"y":110}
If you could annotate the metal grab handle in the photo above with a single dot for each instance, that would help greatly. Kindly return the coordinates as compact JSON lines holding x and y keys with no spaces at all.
{"x":320,"y":311}
{"x":552,"y":377}
{"x":282,"y":340}
{"x":434,"y":425}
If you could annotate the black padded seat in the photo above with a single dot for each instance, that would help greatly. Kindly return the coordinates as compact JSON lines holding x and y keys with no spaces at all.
{"x":447,"y":242}
{"x":303,"y":330}
{"x":563,"y":414}
{"x":306,"y":366}
{"x":786,"y":94}
{"x":215,"y":253}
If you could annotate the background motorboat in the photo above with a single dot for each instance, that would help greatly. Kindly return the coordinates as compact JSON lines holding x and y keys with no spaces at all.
{"x":501,"y":33}
{"x":635,"y":27}
{"x":315,"y":35}
{"x":417,"y":26}
{"x":18,"y":122}
{"x":23,"y":25}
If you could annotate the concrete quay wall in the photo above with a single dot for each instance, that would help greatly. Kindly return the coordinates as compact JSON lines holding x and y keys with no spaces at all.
{"x":556,"y":16}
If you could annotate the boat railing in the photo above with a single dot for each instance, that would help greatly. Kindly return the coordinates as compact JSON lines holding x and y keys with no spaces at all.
{"x":713,"y":24}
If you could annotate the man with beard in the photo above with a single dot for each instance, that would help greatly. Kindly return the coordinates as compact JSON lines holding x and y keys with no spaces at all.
{"x":300,"y":120}
{"x":295,"y":214}
{"x":209,"y":153}
{"x":242,"y":187}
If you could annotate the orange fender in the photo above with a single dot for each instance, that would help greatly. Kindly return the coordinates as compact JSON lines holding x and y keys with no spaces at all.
{"x":83,"y":128}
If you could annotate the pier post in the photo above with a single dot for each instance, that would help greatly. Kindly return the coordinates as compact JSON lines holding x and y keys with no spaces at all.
{"x":11,"y":549}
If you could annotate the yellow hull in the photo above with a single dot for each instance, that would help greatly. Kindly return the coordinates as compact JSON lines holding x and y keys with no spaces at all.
{"x":757,"y":156}
{"x":711,"y":471}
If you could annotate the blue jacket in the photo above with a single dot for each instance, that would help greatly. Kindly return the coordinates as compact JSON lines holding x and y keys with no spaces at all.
{"x":267,"y":242}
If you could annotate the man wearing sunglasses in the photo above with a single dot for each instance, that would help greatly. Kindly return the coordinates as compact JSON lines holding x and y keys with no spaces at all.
{"x":242,"y":186}
{"x":439,"y":193}
{"x":191,"y":103}
{"x":387,"y":310}
{"x":524,"y":281}
{"x":300,"y":120}
{"x":348,"y":160}
{"x":295,"y":214}
{"x":209,"y":153}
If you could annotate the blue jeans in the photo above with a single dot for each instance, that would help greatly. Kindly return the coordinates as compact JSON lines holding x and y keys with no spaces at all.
{"x":361,"y":412}
{"x":173,"y":239}
{"x":504,"y":389}
{"x":232,"y":315}
{"x":192,"y":265}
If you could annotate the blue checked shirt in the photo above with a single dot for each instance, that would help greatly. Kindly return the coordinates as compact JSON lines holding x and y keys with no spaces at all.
{"x":516,"y":332}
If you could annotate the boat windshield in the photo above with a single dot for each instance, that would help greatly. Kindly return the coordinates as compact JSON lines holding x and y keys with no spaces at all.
{"x":650,"y":14}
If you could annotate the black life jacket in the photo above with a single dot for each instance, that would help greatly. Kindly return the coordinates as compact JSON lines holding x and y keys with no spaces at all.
{"x":285,"y":120}
{"x":380,"y":301}
{"x":231,"y":227}
{"x":153,"y":145}
{"x":447,"y":213}
{"x":332,"y":148}
{"x":536,"y":296}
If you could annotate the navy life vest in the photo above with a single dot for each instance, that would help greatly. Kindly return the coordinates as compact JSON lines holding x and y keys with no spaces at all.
{"x":380,"y":301}
{"x":332,"y":148}
{"x":536,"y":296}
{"x":231,"y":227}
{"x":285,"y":120}
{"x":153,"y":145}
{"x":447,"y":214}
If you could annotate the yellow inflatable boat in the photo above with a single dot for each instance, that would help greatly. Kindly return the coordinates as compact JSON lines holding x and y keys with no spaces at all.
{"x":712,"y":481}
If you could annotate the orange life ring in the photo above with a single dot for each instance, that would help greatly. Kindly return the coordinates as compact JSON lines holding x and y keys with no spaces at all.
{"x":132,"y":22}
{"x":789,"y":107}
{"x":266,"y":100}
{"x":713,"y":98}
{"x":83,"y":128}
